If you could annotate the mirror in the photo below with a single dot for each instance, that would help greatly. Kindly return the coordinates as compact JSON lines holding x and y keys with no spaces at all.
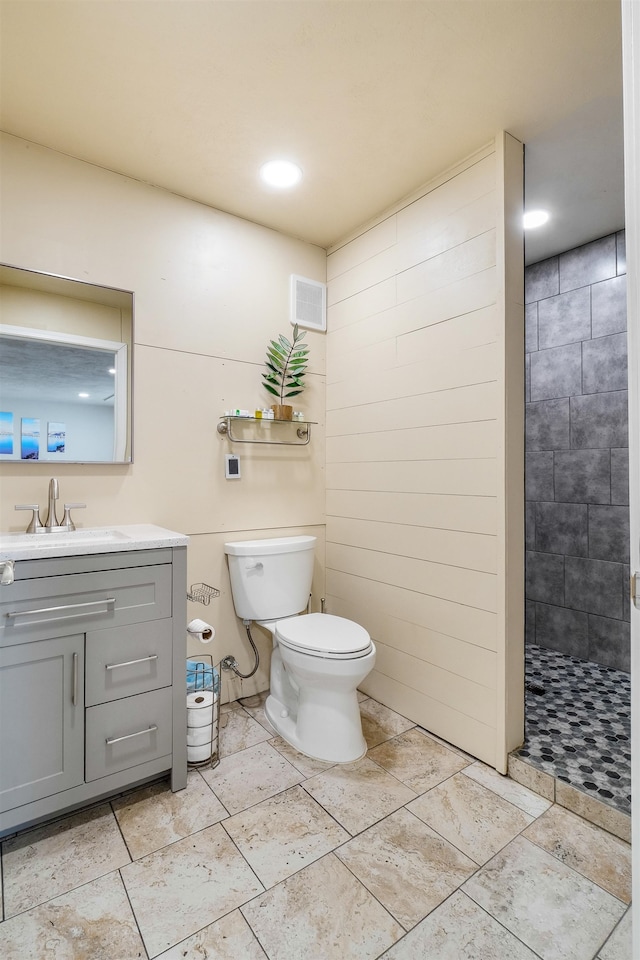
{"x":65,"y":369}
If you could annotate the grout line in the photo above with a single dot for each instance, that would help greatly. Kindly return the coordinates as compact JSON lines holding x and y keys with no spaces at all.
{"x":133,"y":913}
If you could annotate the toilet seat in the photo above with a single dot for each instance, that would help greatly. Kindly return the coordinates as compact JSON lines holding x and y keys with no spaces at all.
{"x":324,"y":635}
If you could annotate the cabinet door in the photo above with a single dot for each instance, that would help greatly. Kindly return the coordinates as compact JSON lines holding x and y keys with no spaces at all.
{"x":41,"y":719}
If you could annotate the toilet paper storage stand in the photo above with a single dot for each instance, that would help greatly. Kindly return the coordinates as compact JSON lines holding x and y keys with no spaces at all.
{"x":199,"y":718}
{"x":196,"y":716}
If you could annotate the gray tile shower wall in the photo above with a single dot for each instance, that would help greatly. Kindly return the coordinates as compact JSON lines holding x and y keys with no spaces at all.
{"x":577,"y":473}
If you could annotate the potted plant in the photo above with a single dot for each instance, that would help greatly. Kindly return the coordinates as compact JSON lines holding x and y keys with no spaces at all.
{"x":286,"y":366}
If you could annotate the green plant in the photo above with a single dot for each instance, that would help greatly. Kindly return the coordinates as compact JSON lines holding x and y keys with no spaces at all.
{"x":286,"y":366}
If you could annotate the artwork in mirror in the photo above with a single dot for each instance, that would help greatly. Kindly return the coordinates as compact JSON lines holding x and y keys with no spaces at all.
{"x":65,"y":366}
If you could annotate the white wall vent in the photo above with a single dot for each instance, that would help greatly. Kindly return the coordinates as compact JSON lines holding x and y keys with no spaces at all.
{"x":308,"y":303}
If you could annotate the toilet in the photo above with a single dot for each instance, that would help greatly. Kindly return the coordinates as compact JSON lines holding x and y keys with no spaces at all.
{"x":318,"y":659}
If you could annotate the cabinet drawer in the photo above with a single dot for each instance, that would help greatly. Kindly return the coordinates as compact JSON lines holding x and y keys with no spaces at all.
{"x":123,"y":661}
{"x":51,"y":606}
{"x":124,"y":733}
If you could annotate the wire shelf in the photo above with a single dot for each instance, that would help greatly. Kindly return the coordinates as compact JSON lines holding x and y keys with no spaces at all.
{"x":202,"y":593}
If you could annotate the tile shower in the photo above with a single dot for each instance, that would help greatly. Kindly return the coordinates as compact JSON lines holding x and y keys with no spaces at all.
{"x":577,"y":519}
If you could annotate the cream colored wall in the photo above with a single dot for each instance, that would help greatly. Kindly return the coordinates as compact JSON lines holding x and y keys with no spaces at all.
{"x":421,"y":369}
{"x":48,"y":311}
{"x":210,"y":291}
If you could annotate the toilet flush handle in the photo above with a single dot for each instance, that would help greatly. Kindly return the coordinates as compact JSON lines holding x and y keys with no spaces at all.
{"x":252,"y":564}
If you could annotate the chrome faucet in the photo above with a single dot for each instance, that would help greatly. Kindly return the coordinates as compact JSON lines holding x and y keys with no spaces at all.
{"x":54,"y":494}
{"x":51,"y":524}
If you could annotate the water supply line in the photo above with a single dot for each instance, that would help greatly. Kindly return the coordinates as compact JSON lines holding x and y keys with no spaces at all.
{"x":230,"y":662}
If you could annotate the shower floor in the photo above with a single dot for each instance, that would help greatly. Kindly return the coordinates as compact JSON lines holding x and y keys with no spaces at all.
{"x":579,"y":729}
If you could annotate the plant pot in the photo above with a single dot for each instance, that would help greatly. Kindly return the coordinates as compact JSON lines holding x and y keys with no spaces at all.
{"x":282,"y":411}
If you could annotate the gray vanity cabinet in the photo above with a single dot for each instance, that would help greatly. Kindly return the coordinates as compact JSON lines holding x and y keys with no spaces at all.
{"x":92,"y":679}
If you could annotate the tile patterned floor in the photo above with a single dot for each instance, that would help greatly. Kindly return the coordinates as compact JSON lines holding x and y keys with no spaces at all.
{"x":414,"y":851}
{"x":578,"y":724}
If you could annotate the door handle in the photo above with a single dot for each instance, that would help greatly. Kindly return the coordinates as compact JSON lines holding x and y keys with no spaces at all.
{"x":74,"y":682}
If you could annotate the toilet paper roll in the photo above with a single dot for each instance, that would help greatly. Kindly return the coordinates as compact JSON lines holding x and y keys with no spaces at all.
{"x":202,"y":630}
{"x":196,"y":736}
{"x":200,"y":708}
{"x":198,"y":754}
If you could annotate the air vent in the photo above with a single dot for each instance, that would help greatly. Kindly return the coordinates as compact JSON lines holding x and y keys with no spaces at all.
{"x":308,"y":303}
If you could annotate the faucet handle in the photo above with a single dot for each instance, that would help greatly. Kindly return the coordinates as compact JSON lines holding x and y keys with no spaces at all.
{"x":35,"y":523}
{"x":67,"y":522}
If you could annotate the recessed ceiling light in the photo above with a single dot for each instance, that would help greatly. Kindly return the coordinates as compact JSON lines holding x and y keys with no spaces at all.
{"x":534,"y":218}
{"x":111,"y":370}
{"x":83,"y":395}
{"x":281,"y":173}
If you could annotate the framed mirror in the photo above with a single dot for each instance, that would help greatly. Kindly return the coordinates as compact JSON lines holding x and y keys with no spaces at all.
{"x":65,"y":369}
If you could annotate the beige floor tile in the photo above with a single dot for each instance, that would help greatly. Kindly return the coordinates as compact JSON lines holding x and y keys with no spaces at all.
{"x":379,"y":723}
{"x":308,"y":766}
{"x":281,"y":835}
{"x":417,"y":760}
{"x":184,"y":887}
{"x":618,"y":946}
{"x":517,"y":794}
{"x":474,"y":819}
{"x":590,"y":850}
{"x":406,"y":866}
{"x":238,"y":731}
{"x":93,"y":922}
{"x":51,"y":860}
{"x":251,"y":776}
{"x":321,"y":913}
{"x":557,"y":912}
{"x":358,"y":794}
{"x":449,"y":746}
{"x":459,"y":930}
{"x":152,"y":817}
{"x":227,"y":939}
{"x":255,"y":708}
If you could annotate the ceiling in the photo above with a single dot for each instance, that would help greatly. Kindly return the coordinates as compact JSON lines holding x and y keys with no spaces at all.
{"x":54,"y":371}
{"x":372,"y":98}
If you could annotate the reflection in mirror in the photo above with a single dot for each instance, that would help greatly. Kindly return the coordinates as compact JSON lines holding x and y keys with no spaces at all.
{"x":65,"y":370}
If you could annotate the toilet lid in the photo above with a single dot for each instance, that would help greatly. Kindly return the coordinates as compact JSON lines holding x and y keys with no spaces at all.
{"x":322,"y":634}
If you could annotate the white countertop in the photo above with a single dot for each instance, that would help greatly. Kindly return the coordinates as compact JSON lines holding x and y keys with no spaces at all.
{"x":83,"y":541}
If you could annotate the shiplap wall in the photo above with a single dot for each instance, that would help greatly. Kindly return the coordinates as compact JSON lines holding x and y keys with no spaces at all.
{"x":424,"y":485}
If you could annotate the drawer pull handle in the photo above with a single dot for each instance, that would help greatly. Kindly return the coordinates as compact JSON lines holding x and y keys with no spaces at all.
{"x":67,"y":606}
{"x":74,"y":695}
{"x":128,"y":736}
{"x":130,"y":663}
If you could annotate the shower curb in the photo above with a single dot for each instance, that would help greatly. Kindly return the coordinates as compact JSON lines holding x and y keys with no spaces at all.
{"x":551,"y":788}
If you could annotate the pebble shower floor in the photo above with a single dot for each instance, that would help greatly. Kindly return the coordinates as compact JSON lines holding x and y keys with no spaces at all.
{"x":578,"y":724}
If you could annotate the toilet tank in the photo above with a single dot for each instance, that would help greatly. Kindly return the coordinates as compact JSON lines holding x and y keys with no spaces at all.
{"x":270,"y":579}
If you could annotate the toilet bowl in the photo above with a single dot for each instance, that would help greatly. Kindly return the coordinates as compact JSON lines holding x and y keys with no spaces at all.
{"x":318,"y":659}
{"x":317,"y":663}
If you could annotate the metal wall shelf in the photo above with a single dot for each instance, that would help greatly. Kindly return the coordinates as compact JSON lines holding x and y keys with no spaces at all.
{"x":277,"y":428}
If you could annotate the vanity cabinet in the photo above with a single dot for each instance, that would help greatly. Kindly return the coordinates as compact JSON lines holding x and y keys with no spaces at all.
{"x":92,"y":679}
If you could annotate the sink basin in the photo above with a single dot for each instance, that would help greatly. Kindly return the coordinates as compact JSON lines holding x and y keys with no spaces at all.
{"x":65,"y":539}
